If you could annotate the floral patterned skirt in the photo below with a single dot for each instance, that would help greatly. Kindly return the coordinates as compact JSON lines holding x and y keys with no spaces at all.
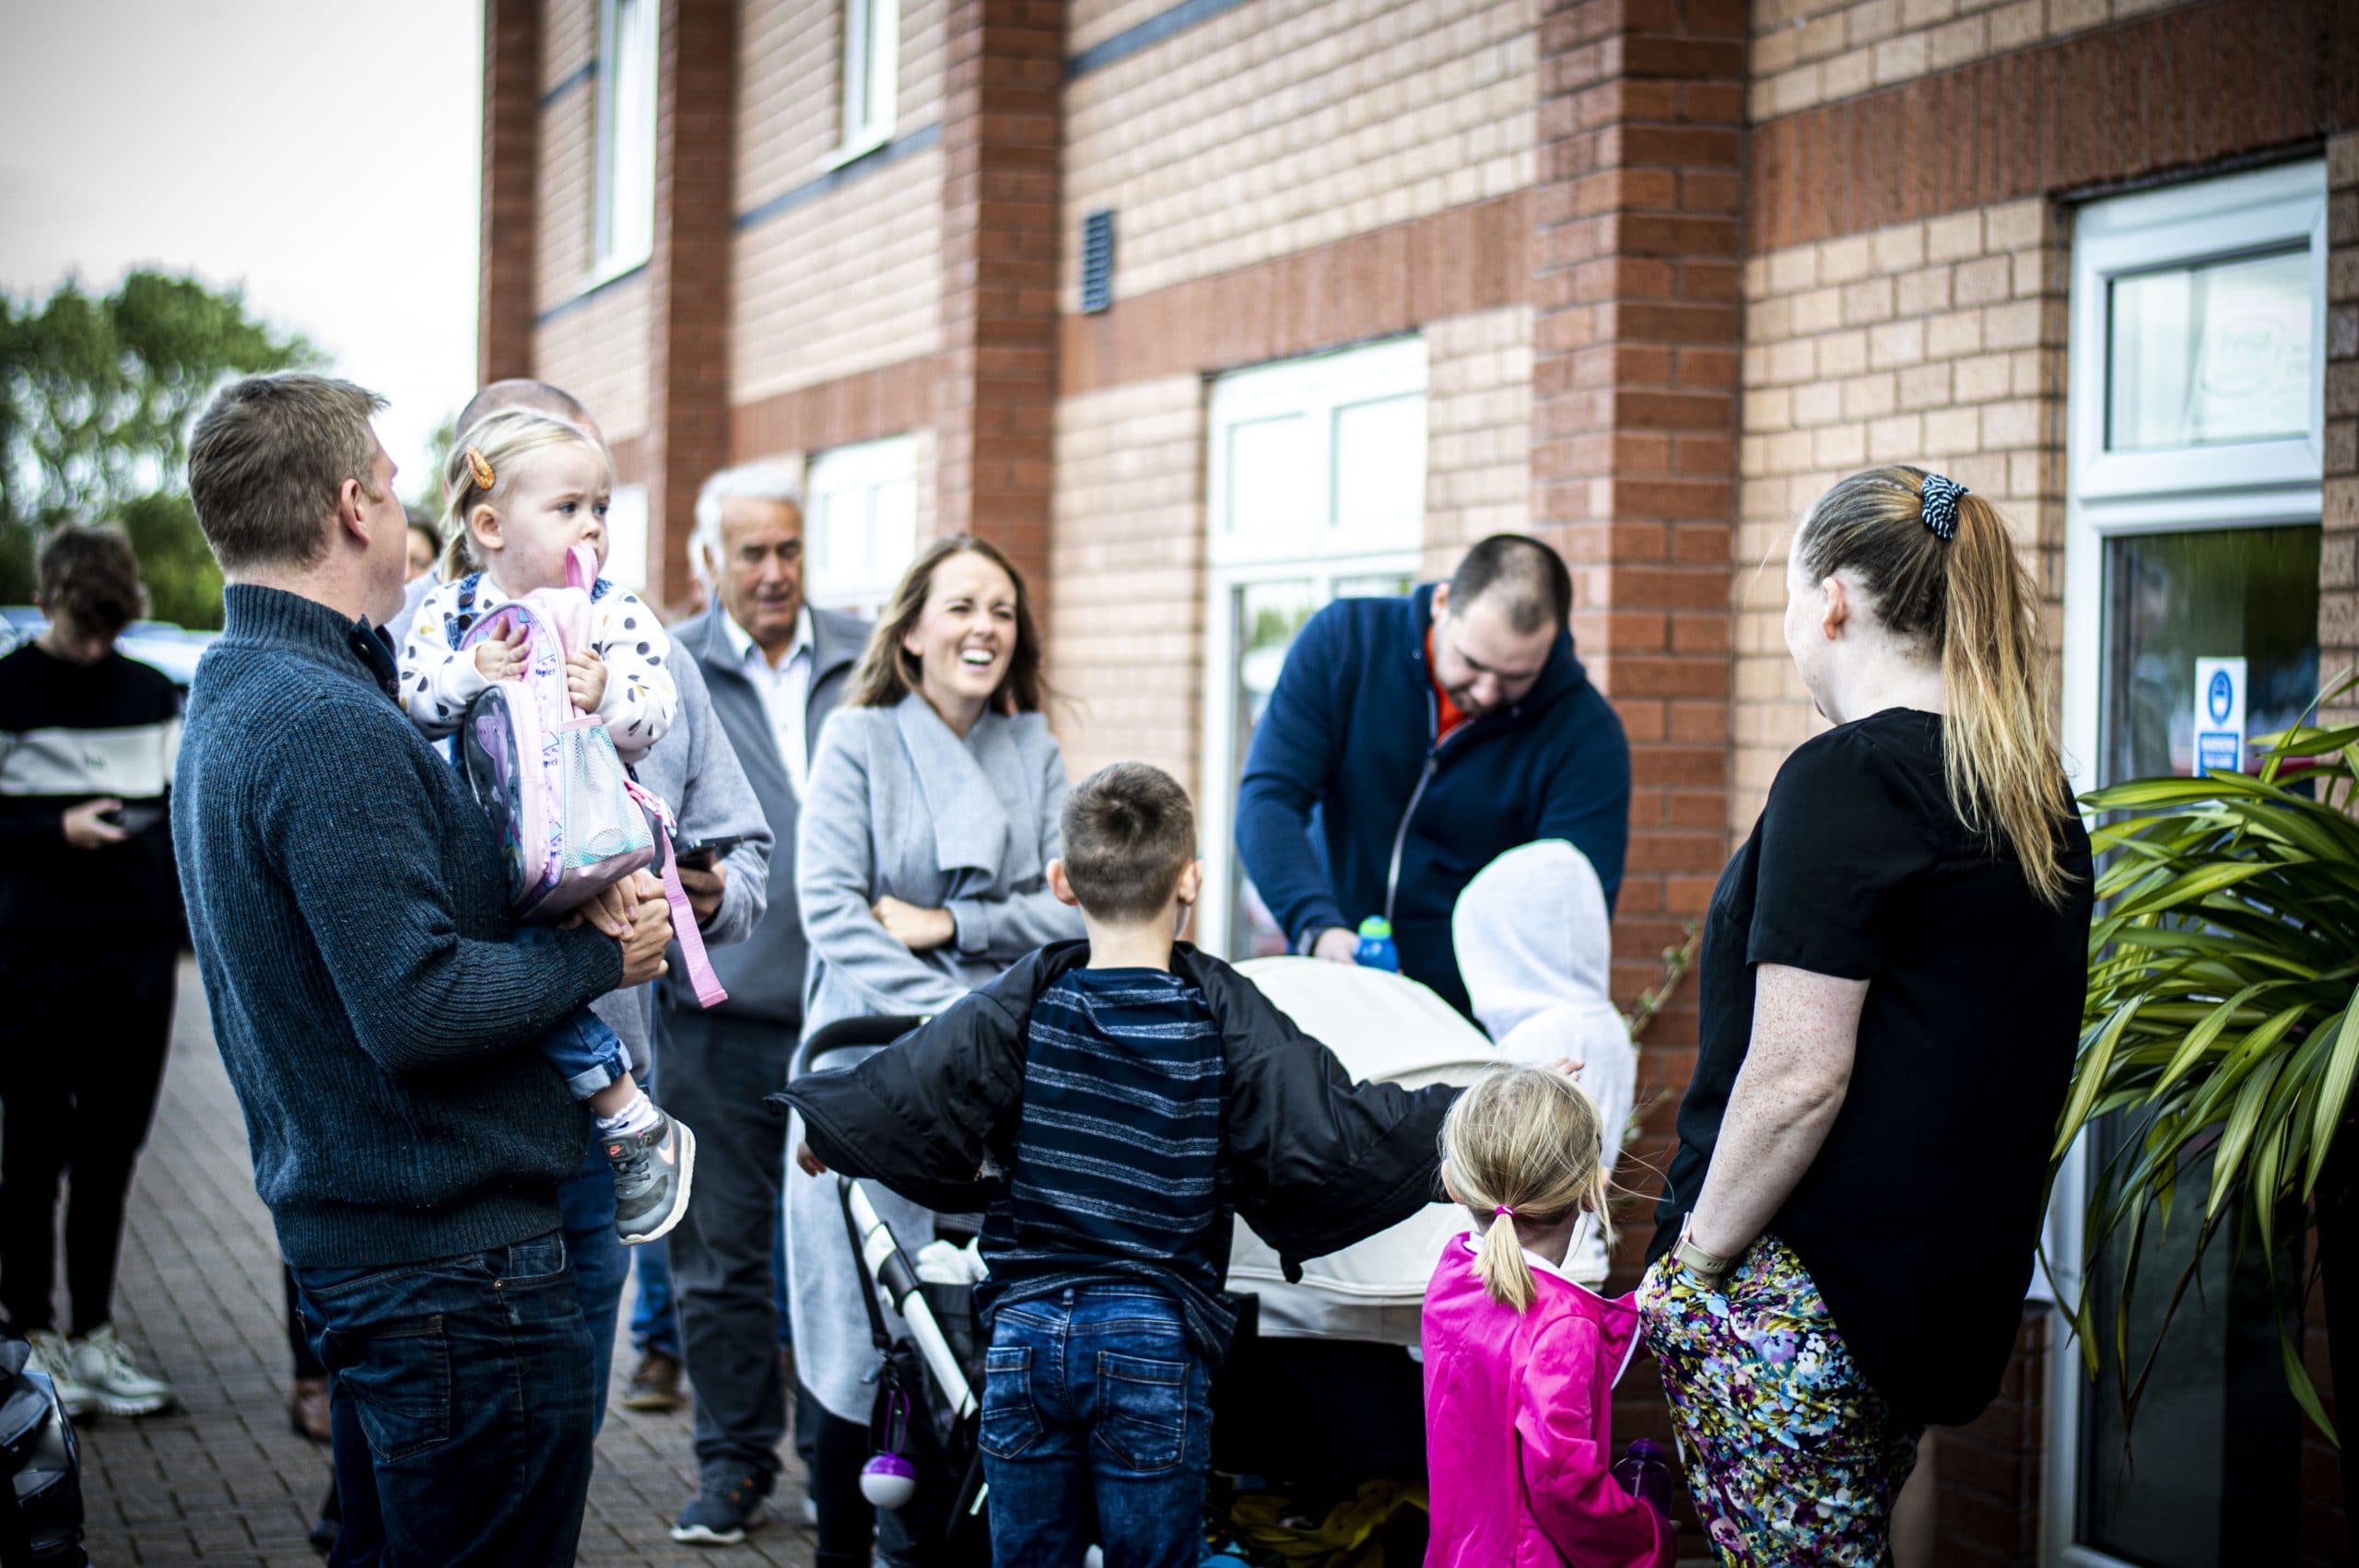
{"x":1794,"y":1461}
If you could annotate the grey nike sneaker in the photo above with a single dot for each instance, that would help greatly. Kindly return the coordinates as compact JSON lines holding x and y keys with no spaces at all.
{"x":653,"y":1170}
{"x":726,"y":1505}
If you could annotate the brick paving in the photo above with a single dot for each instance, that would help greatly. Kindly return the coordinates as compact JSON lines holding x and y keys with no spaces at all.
{"x":223,"y":1479}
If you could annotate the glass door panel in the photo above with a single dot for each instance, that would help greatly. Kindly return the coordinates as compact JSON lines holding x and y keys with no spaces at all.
{"x":2208,"y":1473}
{"x":2174,"y":598}
{"x":1267,"y":616}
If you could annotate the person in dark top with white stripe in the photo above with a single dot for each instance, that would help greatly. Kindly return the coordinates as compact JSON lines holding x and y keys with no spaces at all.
{"x":1137,"y":1095}
{"x":90,"y":930}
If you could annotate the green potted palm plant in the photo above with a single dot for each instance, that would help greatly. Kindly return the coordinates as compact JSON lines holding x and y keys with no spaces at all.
{"x":2222,"y":1021}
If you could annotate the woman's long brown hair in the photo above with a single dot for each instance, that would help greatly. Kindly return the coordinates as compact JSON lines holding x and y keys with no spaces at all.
{"x":889,"y":671}
{"x":1969,"y":601}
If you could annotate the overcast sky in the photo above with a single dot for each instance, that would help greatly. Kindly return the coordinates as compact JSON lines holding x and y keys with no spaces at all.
{"x":323,"y":153}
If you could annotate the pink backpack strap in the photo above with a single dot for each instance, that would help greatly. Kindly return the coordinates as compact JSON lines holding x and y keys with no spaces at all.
{"x":684,"y":916}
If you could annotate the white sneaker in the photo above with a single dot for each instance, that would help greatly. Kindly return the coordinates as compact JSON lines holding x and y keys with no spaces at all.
{"x":103,"y":1367}
{"x":53,"y":1356}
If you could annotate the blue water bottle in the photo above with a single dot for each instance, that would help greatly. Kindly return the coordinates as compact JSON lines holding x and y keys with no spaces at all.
{"x":1376,"y":950}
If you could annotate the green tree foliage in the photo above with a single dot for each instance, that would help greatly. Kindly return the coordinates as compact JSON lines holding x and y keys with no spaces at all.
{"x":96,"y":397}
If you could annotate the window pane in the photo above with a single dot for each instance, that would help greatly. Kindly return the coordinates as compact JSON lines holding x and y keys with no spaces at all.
{"x":626,"y":537}
{"x":861,"y":523}
{"x":894,"y":514}
{"x":839,"y":544}
{"x":1269,"y":482}
{"x":1379,"y":467}
{"x":2205,"y":1475}
{"x":2208,"y":1472}
{"x":2174,"y":598}
{"x":1378,"y":585}
{"x":628,"y":178}
{"x":1267,"y":615}
{"x":2211,"y":354}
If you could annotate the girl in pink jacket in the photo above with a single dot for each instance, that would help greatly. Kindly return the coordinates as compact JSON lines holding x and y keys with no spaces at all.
{"x":1520,"y":1361}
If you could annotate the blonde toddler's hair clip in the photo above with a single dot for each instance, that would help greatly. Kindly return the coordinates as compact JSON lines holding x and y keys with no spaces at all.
{"x":479,"y":469}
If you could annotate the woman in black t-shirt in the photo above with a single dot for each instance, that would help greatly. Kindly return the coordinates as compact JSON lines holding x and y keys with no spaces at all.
{"x":1892,"y":979}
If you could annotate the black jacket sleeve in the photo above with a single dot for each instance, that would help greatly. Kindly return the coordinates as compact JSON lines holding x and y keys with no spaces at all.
{"x":1319,"y":1162}
{"x":926,"y":1115}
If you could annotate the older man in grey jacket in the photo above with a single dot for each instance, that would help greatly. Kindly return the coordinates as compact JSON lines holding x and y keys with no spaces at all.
{"x":774,"y":667}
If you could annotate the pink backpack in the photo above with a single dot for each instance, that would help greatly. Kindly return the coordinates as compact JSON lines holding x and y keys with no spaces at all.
{"x":572,"y":821}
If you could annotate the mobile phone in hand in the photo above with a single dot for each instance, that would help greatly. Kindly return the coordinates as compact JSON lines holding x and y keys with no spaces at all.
{"x":702,"y":855}
{"x":134,"y":819}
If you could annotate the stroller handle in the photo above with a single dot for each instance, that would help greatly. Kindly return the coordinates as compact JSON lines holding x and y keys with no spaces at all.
{"x":896,"y":1279}
{"x":848,"y":1035}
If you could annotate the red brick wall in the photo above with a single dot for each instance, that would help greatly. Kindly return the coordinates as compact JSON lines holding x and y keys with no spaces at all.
{"x":512,"y":120}
{"x":1634,"y":257}
{"x":995,"y":399}
{"x":1634,"y":254}
{"x":1990,"y":1472}
{"x":2171,"y":91}
{"x":688,"y":280}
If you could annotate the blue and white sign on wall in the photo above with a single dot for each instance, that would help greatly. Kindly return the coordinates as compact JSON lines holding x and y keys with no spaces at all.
{"x":2220,"y":715}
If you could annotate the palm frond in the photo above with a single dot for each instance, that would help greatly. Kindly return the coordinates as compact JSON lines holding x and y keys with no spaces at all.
{"x":2223,"y":1011}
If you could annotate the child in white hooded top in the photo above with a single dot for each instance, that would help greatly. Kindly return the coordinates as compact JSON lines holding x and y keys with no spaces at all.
{"x":1535,"y":946}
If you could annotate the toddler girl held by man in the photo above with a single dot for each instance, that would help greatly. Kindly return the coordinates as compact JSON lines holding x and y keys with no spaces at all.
{"x":523,"y":489}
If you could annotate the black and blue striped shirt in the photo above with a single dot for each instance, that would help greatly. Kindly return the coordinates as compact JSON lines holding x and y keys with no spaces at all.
{"x":1121,"y":1171}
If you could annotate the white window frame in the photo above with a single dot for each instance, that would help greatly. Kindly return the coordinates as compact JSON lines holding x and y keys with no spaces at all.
{"x":615,"y":245}
{"x":839,"y":475}
{"x":626,"y":537}
{"x":1315,"y":388}
{"x":869,"y":77}
{"x":2108,"y":495}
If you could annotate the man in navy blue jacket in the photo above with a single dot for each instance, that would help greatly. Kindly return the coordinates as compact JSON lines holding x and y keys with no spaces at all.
{"x":1412,"y":740}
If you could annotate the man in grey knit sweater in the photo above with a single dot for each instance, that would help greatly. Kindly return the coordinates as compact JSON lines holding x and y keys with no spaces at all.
{"x":376,"y":1009}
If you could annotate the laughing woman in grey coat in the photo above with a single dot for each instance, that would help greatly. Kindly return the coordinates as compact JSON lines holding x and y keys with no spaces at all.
{"x":922,"y":867}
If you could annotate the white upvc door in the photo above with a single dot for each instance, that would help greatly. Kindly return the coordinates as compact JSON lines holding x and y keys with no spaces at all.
{"x":1315,"y":487}
{"x":2193,"y":483}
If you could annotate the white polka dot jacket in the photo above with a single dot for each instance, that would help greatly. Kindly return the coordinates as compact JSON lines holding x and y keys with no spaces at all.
{"x":437,"y":679}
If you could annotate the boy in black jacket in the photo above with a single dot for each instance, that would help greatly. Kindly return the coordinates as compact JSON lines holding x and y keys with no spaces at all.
{"x":1110,"y":1104}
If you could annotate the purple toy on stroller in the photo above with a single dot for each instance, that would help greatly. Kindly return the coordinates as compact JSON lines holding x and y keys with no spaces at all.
{"x":927,"y":1465}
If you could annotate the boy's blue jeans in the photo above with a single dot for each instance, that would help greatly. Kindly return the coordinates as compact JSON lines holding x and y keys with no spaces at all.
{"x":586,"y":1054}
{"x":1096,"y":1393}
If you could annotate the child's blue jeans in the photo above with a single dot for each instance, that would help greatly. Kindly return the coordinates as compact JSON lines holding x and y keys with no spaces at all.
{"x":586,"y":1054}
{"x":1096,"y":1393}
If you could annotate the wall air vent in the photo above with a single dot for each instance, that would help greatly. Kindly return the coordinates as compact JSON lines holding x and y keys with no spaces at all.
{"x":1097,"y":261}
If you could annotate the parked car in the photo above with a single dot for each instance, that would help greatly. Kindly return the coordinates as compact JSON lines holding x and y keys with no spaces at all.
{"x":174,"y":650}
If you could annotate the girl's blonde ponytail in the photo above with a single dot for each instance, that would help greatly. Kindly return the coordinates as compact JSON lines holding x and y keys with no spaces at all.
{"x":1501,"y":1263}
{"x":1939,"y":568}
{"x":1523,"y":1142}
